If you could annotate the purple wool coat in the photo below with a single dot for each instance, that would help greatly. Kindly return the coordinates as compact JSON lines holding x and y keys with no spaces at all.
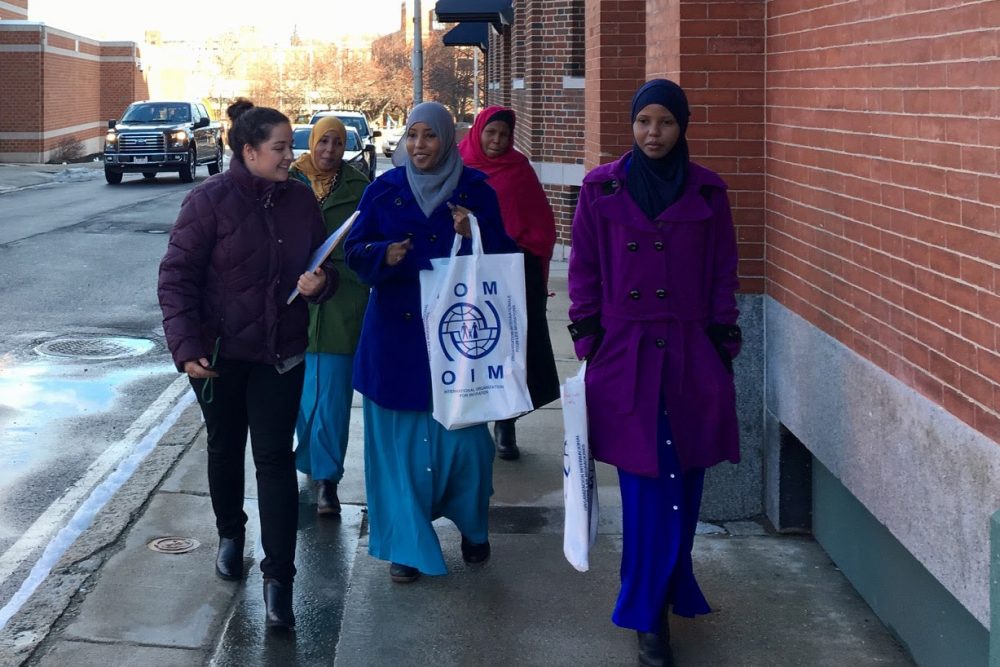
{"x":656,"y":286}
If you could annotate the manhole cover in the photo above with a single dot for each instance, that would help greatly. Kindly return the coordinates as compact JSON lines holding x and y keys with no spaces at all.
{"x":95,"y":348}
{"x":174,"y":545}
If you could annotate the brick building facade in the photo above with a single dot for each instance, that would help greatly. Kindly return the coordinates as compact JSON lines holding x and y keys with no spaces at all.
{"x":60,"y":89}
{"x":859,"y":140}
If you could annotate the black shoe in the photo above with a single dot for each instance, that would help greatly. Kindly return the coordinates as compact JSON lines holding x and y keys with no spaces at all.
{"x":506,"y":440}
{"x":654,"y":651}
{"x":475,"y":553}
{"x":327,"y":502}
{"x":403,"y":574}
{"x":229,"y":560}
{"x":278,"y":605}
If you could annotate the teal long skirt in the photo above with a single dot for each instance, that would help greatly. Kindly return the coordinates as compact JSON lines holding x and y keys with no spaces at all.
{"x":416,"y":471}
{"x":324,"y":419}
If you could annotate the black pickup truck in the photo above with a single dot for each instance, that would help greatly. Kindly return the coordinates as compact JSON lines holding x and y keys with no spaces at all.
{"x":152,"y":137}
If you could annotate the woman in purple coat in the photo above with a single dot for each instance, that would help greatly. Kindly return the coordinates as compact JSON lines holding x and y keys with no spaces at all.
{"x":652,"y":281}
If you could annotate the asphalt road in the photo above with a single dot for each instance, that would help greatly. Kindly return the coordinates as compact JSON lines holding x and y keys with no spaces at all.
{"x":78,"y":264}
{"x":78,"y":267}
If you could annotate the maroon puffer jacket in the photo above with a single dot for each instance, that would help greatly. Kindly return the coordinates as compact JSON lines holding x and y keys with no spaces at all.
{"x":236,"y":252}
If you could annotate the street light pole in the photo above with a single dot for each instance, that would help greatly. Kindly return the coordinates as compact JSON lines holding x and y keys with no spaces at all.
{"x":418,"y":55}
{"x":475,"y":81}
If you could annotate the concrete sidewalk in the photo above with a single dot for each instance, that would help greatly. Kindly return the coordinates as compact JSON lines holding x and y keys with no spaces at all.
{"x":777,"y":600}
{"x":15,"y":176}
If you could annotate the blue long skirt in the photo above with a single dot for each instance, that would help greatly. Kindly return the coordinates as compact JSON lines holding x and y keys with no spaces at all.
{"x":660,"y":515}
{"x":324,"y":417}
{"x":416,"y":471}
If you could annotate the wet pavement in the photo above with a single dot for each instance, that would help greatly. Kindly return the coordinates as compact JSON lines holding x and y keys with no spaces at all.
{"x":325,"y":560}
{"x":777,"y":600}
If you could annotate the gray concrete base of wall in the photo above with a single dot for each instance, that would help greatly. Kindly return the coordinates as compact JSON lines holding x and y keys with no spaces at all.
{"x":734,"y":492}
{"x":933,"y":626}
{"x":929,"y":482}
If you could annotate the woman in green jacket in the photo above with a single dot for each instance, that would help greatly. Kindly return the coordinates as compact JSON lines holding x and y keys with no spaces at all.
{"x":335,"y":325}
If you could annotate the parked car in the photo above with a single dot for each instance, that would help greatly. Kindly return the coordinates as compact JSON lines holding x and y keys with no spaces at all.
{"x":354,"y":152}
{"x":300,"y":140}
{"x":155,"y":136}
{"x":390,"y":141}
{"x":359,"y":122}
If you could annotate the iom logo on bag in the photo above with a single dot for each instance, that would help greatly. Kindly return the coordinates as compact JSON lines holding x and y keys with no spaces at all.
{"x":466,"y":329}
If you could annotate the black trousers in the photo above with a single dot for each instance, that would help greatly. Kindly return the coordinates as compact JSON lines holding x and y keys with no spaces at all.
{"x":254,"y":397}
{"x":543,"y":377}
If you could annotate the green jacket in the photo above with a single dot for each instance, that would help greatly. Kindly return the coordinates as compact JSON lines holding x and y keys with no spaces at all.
{"x":335,"y":325}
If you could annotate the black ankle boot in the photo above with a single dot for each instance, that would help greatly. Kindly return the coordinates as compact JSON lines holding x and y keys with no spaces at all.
{"x":229,"y":559}
{"x":327,"y":502}
{"x":506,"y":440}
{"x":654,"y":651}
{"x":278,"y":605}
{"x":473,"y":553}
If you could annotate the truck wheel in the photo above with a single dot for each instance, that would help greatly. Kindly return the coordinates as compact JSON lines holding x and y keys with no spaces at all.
{"x":149,"y":175}
{"x":112,"y":177}
{"x":216,"y":167}
{"x":187,"y":171}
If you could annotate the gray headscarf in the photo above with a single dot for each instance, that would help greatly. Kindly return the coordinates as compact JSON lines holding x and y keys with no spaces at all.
{"x":432,"y":187}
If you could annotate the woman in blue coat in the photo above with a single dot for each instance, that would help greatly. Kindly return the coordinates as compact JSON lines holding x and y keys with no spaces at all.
{"x":415,"y":469}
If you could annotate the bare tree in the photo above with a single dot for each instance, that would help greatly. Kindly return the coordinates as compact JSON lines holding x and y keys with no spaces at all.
{"x":449,"y":76}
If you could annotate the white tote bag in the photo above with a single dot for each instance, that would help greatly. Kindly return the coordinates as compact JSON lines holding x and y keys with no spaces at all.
{"x":579,"y":480}
{"x":475,"y":324}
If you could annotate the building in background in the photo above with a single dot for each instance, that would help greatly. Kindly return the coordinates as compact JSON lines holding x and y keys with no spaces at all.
{"x":860,"y":144}
{"x":60,"y":89}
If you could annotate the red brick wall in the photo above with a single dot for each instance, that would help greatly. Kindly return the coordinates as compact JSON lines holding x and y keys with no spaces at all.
{"x":718,"y":47}
{"x":550,"y":126}
{"x":19,"y":11}
{"x":563,"y":200}
{"x":663,"y":39}
{"x":21,"y":102}
{"x":72,"y":91}
{"x":615,"y":68}
{"x":882,"y":187}
{"x":72,"y":83}
{"x":499,"y":68}
{"x":518,"y":34}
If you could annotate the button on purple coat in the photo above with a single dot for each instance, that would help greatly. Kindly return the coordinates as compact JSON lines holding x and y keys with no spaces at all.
{"x":656,"y":285}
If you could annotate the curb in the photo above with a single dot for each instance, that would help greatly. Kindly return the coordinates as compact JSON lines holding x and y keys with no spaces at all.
{"x":54,"y":601}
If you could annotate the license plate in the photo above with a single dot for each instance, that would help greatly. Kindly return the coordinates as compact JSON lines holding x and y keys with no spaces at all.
{"x":140,"y":160}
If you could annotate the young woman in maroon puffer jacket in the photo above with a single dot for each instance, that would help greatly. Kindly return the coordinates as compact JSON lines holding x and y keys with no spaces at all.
{"x":237,"y":251}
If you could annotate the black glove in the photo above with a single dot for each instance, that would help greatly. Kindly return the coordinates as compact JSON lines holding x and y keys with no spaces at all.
{"x":588,"y":326}
{"x":720,"y":334}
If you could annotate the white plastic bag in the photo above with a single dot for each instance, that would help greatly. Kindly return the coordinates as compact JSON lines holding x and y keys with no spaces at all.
{"x":579,"y":480}
{"x":476,"y":324}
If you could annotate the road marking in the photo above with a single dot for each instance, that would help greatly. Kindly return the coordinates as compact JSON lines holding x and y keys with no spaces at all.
{"x":139,"y":439}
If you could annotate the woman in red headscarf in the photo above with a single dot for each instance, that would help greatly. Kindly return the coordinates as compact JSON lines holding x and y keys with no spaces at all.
{"x":528,"y":219}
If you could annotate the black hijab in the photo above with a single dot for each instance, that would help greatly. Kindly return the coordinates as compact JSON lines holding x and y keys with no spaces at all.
{"x":656,"y":184}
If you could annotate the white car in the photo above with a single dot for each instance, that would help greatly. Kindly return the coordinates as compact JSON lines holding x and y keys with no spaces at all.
{"x":354,"y":153}
{"x":391,"y":141}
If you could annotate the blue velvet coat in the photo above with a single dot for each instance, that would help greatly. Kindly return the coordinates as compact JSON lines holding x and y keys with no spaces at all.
{"x":391,"y":365}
